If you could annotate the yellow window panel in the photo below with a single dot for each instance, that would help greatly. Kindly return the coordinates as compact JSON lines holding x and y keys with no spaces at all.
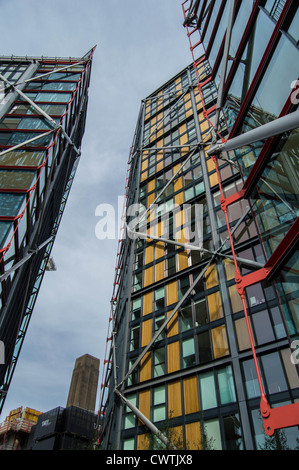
{"x":150,"y":199}
{"x":178,"y":84}
{"x":180,"y":236}
{"x":160,"y":125}
{"x":159,"y":250}
{"x":160,"y":155}
{"x":200,"y":117}
{"x":145,"y":367}
{"x":213,"y":180}
{"x":206,"y":136}
{"x":146,"y":332}
{"x":179,"y":198}
{"x":193,"y":436}
{"x":179,"y":218}
{"x":178,"y":184}
{"x":184,"y":139}
{"x":182,"y":129}
{"x":152,"y":229}
{"x":173,"y":355}
{"x":191,"y":395}
{"x":210,"y":165}
{"x":242,"y":334}
{"x":148,"y":276}
{"x":144,"y":165}
{"x":171,"y":292}
{"x":173,"y":325}
{"x":211,"y":277}
{"x":220,"y":343}
{"x":159,"y":166}
{"x":145,"y":403}
{"x":174,"y":399}
{"x":151,"y":186}
{"x":176,"y":168}
{"x":143,"y":442}
{"x":153,"y":123}
{"x":215,"y":306}
{"x":147,"y":303}
{"x":159,"y":143}
{"x":230,"y":269}
{"x":149,"y":254}
{"x":204,"y":126}
{"x":199,"y":106}
{"x":182,"y":260}
{"x":160,"y":229}
{"x":236,"y":302}
{"x":176,"y":437}
{"x":160,"y":101}
{"x":143,"y":176}
{"x":159,"y":271}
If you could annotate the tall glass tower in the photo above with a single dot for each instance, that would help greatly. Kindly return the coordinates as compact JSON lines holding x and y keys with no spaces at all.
{"x":203,"y":331}
{"x":43,"y":104}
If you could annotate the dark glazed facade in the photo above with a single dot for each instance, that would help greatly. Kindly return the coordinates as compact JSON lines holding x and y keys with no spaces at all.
{"x":43,"y":104}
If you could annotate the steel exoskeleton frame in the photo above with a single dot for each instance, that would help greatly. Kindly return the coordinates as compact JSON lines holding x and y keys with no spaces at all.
{"x":273,"y":418}
{"x":287,"y":415}
{"x":134,"y":232}
{"x":32,"y":265}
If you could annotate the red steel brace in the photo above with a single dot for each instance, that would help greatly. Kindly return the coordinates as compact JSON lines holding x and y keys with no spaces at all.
{"x":287,"y":415}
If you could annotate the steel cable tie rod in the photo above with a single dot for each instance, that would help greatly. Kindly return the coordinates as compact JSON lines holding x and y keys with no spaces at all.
{"x":271,"y":129}
{"x":29,"y":141}
{"x":23,"y":260}
{"x":164,"y":324}
{"x":193,"y":247}
{"x":167,"y":184}
{"x":146,"y":421}
{"x":181,"y":302}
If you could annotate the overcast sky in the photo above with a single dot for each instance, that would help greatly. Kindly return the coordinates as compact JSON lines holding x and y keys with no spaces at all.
{"x":140,"y":45}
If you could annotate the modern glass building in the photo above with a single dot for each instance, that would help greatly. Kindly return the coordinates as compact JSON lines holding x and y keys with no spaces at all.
{"x":43,"y":104}
{"x":203,"y":331}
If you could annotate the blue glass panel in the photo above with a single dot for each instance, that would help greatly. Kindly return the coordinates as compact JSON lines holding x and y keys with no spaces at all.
{"x":10,"y":204}
{"x":54,"y":97}
{"x":4,"y":230}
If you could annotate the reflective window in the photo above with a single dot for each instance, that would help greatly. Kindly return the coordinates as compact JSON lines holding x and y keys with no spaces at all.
{"x":233,"y":432}
{"x":159,"y":403}
{"x":226,"y":385}
{"x":208,"y":391}
{"x":4,"y":230}
{"x":211,"y":23}
{"x":281,"y":72}
{"x":288,"y":286}
{"x":159,"y":362}
{"x":219,"y":35}
{"x":57,"y":97}
{"x":250,"y":61}
{"x":294,"y":27}
{"x":188,"y":352}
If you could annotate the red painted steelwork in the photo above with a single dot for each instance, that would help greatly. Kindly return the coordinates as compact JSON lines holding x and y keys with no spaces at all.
{"x":287,"y":415}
